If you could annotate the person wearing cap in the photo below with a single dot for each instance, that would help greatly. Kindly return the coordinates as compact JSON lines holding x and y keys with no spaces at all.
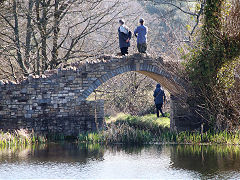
{"x":124,"y":37}
{"x":159,"y":99}
{"x":141,"y":34}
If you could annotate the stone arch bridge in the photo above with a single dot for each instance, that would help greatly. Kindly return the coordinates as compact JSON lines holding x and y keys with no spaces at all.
{"x":56,"y":101}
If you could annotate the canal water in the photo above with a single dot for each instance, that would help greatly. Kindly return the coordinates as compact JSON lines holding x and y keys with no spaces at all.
{"x":74,"y":161}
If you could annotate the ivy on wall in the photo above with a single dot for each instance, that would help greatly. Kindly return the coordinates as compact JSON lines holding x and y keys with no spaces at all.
{"x":211,"y":65}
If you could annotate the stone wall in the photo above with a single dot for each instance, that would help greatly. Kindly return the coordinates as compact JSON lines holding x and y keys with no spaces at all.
{"x":182,"y":117}
{"x":69,"y":119}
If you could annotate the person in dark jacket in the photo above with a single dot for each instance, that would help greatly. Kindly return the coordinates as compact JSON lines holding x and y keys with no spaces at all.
{"x":159,"y":98}
{"x":125,"y":36}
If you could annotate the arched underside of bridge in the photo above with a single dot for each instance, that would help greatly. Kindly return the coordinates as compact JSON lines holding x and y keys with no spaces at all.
{"x":181,"y":117}
{"x":167,"y":80}
{"x":56,"y":103}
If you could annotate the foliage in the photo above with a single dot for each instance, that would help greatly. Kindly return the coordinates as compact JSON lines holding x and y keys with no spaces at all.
{"x":212,"y":63}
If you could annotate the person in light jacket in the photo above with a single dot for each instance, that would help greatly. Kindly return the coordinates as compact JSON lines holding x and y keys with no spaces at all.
{"x":141,"y":34}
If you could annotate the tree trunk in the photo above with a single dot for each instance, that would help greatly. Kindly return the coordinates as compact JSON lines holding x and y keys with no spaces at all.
{"x":55,"y":35}
{"x":17,"y":40}
{"x":28,"y":34}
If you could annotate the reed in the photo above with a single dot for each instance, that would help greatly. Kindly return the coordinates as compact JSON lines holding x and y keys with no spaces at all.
{"x":117,"y":134}
{"x":221,"y":137}
{"x":19,"y":137}
{"x":128,"y":129}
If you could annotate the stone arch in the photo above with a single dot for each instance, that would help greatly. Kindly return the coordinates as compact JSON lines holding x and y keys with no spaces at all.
{"x":171,"y":82}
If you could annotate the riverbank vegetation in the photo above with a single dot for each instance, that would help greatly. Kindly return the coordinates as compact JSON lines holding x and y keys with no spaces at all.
{"x":127,"y":129}
{"x":20,"y":138}
{"x":212,"y":65}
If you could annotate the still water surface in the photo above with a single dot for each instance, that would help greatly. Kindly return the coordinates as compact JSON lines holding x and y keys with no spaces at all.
{"x":69,"y":160}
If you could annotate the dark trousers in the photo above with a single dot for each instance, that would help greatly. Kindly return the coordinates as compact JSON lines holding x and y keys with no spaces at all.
{"x":142,"y":48}
{"x":159,"y":108}
{"x":124,"y":51}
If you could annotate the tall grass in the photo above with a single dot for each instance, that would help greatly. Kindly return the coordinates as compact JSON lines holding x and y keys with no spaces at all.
{"x":128,"y":129}
{"x":114,"y":134}
{"x":221,"y":137}
{"x":19,"y":137}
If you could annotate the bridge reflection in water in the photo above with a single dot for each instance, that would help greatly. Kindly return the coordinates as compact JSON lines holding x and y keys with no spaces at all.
{"x":69,"y":160}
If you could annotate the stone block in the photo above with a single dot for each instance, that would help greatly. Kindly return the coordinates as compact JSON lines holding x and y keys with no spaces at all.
{"x":28,"y":116}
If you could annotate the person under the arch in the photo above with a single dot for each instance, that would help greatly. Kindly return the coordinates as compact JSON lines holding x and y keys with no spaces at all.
{"x":125,"y":36}
{"x":141,"y":34}
{"x":159,"y":99}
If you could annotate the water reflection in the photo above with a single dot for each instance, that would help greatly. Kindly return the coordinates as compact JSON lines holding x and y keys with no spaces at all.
{"x":53,"y":152}
{"x":70,"y":160}
{"x":207,"y":160}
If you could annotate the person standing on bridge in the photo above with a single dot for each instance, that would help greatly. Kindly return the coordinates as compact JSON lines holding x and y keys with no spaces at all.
{"x":141,"y":34}
{"x":125,"y":36}
{"x":159,"y":99}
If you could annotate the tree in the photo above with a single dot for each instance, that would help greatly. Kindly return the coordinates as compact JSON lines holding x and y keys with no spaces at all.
{"x":41,"y":34}
{"x":184,"y":7}
{"x":213,"y":64}
{"x":130,"y":93}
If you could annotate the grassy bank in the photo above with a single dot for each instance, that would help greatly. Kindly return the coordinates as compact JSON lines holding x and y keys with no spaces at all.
{"x":147,"y":121}
{"x":127,"y":129}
